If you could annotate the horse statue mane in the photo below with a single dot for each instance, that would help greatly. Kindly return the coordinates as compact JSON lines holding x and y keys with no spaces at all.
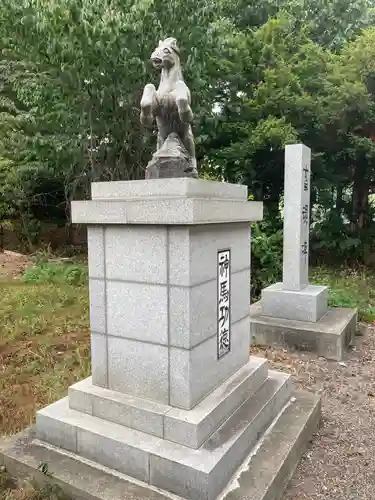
{"x":169,"y":106}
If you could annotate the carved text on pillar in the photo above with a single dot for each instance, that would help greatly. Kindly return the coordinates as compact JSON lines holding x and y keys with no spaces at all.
{"x":223,"y":303}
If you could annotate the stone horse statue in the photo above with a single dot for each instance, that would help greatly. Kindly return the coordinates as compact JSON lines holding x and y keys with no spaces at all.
{"x":170,"y":106}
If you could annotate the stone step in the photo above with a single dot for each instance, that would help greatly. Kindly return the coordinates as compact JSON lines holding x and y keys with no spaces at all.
{"x":266,"y":474}
{"x":188,"y":427}
{"x":193,"y":474}
{"x":263,"y":476}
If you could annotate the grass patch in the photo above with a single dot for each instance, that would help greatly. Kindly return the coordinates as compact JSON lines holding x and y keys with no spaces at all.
{"x":10,"y":490}
{"x":44,"y":341}
{"x":353,"y":288}
{"x":43,"y":273}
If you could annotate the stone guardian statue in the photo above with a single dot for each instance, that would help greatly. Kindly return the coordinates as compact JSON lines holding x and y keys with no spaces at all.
{"x":169,"y":105}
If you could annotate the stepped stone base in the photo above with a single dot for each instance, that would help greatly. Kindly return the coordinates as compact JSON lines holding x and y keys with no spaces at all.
{"x":329,"y":337}
{"x":264,"y":475}
{"x":187,"y":427}
{"x":217,"y":434}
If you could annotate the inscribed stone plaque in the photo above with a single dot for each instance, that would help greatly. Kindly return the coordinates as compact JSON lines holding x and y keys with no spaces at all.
{"x":223,"y":302}
{"x":296,"y":217}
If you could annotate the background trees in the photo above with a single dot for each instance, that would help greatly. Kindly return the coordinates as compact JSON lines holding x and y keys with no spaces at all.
{"x":262,"y":74}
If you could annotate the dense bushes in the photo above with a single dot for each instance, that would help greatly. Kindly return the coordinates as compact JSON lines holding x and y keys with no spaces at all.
{"x":266,"y":256}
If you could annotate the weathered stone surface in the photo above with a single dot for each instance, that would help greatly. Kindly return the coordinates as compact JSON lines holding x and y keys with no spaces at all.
{"x":308,"y":304}
{"x":191,"y":250}
{"x":99,"y":444}
{"x":168,"y":188}
{"x":171,"y":160}
{"x":167,"y":211}
{"x":271,"y":468}
{"x":265,"y":478}
{"x":138,"y":369}
{"x":296,"y":217}
{"x":99,"y":359}
{"x":189,"y":428}
{"x":196,"y":372}
{"x":328,"y":337}
{"x":164,"y":464}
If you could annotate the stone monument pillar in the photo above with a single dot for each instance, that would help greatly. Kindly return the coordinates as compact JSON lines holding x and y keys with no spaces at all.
{"x":294,"y":298}
{"x":294,"y":312}
{"x":174,"y":400}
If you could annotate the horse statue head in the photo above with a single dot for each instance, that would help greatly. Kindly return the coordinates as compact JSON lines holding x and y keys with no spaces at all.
{"x":166,"y":55}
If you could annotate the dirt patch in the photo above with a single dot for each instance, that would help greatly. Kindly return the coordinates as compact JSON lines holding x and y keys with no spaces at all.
{"x":340,"y":463}
{"x":12,"y":264}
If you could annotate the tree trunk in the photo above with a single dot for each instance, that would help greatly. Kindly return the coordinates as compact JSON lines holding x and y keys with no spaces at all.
{"x":339,"y":199}
{"x":361,"y":187}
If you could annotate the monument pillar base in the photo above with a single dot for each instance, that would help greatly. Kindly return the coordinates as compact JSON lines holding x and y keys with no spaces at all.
{"x":308,"y":304}
{"x":329,"y":337}
{"x":195,"y":453}
{"x":264,"y":475}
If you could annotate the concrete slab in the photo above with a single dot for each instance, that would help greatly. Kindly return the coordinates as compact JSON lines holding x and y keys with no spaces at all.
{"x":262,"y":476}
{"x":328,"y":337}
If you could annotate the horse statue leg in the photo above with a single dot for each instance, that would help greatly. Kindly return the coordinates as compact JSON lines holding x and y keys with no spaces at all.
{"x":183,"y":102}
{"x":186,"y":116}
{"x":188,"y":141}
{"x":147,"y":101}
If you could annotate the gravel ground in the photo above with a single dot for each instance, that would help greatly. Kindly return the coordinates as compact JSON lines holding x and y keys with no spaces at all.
{"x":340,"y":462}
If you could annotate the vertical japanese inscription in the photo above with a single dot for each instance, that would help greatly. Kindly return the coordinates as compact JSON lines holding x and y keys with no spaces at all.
{"x":305,"y":214}
{"x":306,"y":178}
{"x":223,"y":303}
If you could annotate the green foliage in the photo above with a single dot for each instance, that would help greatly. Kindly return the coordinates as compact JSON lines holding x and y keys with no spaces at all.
{"x":45,"y":273}
{"x":331,"y":237}
{"x":262,"y":76}
{"x":354,"y":288}
{"x":80,"y":71}
{"x":266,"y":256}
{"x":332,"y":23}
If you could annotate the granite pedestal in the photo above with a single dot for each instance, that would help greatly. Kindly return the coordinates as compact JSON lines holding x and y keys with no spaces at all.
{"x":174,"y":400}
